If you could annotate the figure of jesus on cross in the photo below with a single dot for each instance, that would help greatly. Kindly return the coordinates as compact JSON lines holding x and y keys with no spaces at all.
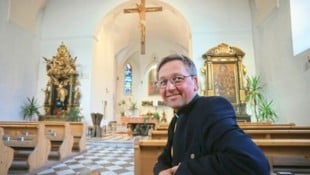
{"x":141,"y":9}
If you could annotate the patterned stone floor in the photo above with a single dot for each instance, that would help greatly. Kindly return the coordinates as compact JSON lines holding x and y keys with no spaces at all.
{"x":111,"y":155}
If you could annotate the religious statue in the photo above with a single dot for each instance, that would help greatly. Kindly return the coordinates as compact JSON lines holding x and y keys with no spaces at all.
{"x":47,"y":95}
{"x":141,"y":9}
{"x":77,"y":96}
{"x":62,"y":92}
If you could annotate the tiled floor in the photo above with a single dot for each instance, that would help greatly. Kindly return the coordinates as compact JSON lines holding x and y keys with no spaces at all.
{"x":112,"y":155}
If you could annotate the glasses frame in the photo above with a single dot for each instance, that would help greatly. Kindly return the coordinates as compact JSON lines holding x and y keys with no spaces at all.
{"x":162,"y":84}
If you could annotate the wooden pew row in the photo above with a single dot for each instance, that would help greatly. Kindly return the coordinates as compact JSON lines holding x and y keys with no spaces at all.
{"x":280,"y":153}
{"x":256,"y":134}
{"x":162,"y":126}
{"x":59,"y":134}
{"x":78,"y":130}
{"x":274,"y":127}
{"x":30,"y":150}
{"x":6,"y":157}
{"x":61,"y":139}
{"x":264,"y":124}
{"x":248,"y":125}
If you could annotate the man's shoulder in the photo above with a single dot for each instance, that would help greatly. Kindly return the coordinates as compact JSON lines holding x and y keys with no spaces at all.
{"x":210,"y":99}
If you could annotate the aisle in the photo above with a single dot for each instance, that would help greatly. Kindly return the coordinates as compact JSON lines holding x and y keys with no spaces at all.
{"x":110,"y":155}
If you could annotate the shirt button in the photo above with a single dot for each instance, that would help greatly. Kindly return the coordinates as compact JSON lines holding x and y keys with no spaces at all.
{"x":192,"y":156}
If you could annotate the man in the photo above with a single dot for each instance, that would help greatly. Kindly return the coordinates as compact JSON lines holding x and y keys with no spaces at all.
{"x":203,"y":136}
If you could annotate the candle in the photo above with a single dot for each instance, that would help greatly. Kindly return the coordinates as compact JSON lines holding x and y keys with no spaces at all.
{"x":155,"y":103}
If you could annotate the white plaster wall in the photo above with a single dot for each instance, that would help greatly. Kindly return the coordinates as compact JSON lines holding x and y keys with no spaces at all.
{"x":19,"y":52}
{"x":286,"y":77}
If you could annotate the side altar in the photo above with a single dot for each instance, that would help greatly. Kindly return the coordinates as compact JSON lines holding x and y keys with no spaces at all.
{"x":224,"y":76}
{"x":62,"y":92}
{"x":139,"y":125}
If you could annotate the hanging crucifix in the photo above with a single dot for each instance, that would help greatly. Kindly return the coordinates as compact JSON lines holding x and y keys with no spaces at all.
{"x":141,"y":9}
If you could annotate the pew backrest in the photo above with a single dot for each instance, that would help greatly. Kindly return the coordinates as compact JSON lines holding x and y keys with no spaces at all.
{"x":78,"y":130}
{"x":33,"y":138}
{"x":6,"y":157}
{"x":59,"y":132}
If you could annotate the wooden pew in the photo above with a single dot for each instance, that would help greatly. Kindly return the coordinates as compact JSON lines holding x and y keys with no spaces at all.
{"x":162,"y":126}
{"x":292,"y":153}
{"x":256,"y":134}
{"x":59,"y":134}
{"x":252,"y":125}
{"x":32,"y":151}
{"x":61,"y":138}
{"x":159,"y":134}
{"x":264,"y":124}
{"x":278,"y":134}
{"x":274,"y":127}
{"x":78,"y":130}
{"x":6,"y":157}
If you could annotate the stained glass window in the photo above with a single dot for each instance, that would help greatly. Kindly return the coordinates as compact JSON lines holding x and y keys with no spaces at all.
{"x":128,"y":80}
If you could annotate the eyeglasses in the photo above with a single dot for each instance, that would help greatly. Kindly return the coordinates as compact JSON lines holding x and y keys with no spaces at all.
{"x":176,"y":81}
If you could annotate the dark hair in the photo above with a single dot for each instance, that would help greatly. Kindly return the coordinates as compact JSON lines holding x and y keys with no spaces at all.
{"x":189,"y":64}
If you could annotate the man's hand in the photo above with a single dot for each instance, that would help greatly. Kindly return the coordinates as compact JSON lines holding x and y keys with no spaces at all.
{"x":170,"y":171}
{"x":166,"y":172}
{"x":174,"y":169}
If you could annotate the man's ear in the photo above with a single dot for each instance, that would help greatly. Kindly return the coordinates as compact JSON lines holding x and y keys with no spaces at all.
{"x":196,"y":83}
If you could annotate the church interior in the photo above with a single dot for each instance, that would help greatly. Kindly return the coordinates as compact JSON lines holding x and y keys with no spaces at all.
{"x":91,"y":66}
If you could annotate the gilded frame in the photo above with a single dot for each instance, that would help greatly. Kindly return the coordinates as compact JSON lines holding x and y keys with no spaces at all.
{"x":224,"y":75}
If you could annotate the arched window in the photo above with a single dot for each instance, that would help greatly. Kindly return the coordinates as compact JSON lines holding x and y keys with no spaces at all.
{"x":300,"y":25}
{"x":128,"y":80}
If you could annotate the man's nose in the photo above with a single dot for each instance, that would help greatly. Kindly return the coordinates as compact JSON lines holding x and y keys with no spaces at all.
{"x":170,"y":85}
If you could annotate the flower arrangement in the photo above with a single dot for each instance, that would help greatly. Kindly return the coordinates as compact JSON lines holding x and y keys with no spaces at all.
{"x":122,"y":105}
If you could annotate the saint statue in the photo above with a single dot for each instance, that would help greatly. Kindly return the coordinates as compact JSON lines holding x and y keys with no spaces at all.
{"x":62,"y":92}
{"x":77,"y":96}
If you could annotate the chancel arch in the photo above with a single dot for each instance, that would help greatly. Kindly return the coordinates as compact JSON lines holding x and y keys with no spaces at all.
{"x":119,"y":36}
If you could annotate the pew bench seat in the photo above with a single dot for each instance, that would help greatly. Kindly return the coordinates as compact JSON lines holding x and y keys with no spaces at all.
{"x":293,"y":154}
{"x":32,"y":151}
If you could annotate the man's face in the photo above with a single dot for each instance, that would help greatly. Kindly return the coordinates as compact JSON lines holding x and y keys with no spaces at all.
{"x":180,"y":94}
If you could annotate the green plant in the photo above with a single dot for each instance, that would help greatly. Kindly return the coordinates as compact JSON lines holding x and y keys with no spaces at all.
{"x":74,"y":114}
{"x":261,"y":107}
{"x":122,"y":107}
{"x":30,"y":108}
{"x":266,"y":112}
{"x":133,"y":106}
{"x":253,"y":93}
{"x":156,"y":116}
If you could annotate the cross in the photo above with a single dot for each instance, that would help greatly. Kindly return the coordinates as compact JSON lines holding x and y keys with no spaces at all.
{"x":141,"y":9}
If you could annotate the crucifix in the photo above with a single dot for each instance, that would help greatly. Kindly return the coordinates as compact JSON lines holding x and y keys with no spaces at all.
{"x":141,"y":9}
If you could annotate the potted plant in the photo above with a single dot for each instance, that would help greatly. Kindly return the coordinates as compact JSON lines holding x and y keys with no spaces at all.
{"x":122,"y":107}
{"x":253,"y":93}
{"x":133,"y":108}
{"x":74,"y":115}
{"x":156,"y":116}
{"x":30,"y":108}
{"x":261,"y":107}
{"x":265,"y":111}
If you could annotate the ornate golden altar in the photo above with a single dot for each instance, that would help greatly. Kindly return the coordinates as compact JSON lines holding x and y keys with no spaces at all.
{"x":62,"y":89}
{"x":224,"y":73}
